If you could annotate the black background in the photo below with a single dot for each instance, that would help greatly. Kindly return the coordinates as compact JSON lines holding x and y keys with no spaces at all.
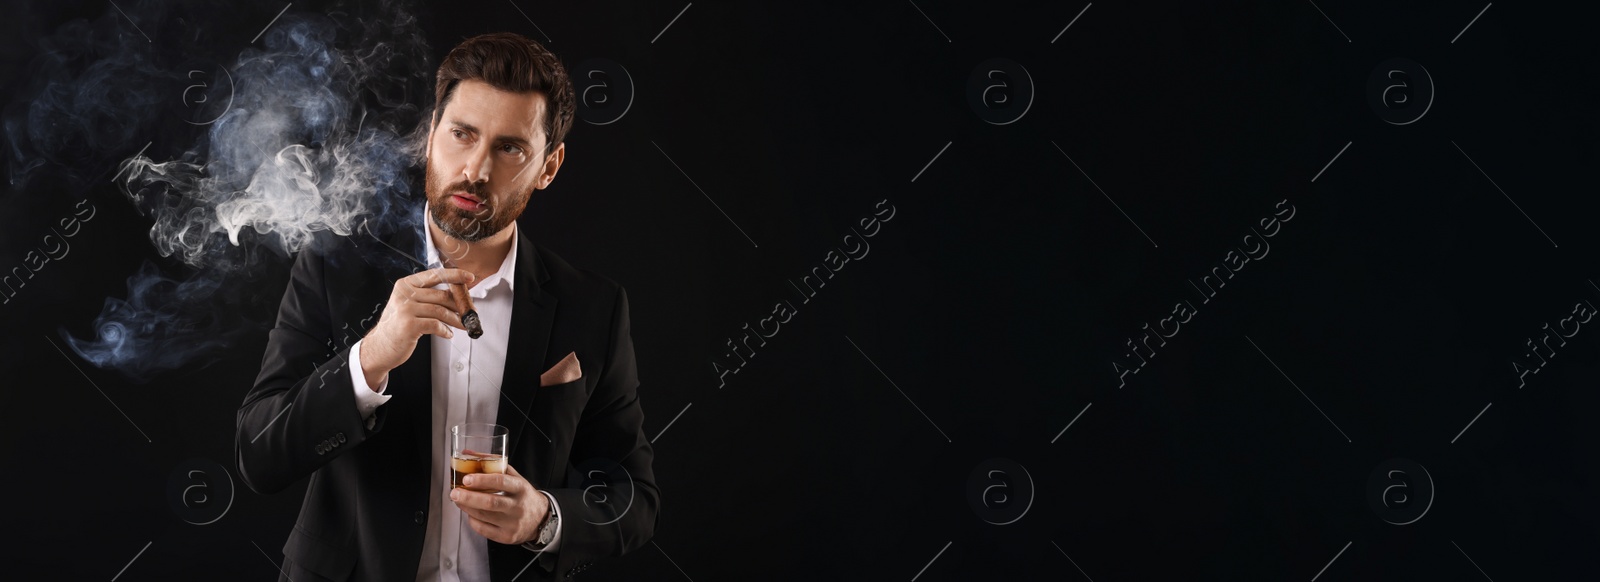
{"x":996,"y":299}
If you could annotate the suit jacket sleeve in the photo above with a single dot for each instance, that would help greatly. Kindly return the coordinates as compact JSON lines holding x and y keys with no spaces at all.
{"x":301,"y":413}
{"x":599,"y":523}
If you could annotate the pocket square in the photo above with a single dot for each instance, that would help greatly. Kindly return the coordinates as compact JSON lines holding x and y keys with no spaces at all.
{"x":564,"y":371}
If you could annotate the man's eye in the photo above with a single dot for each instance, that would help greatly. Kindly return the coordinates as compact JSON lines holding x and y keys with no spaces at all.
{"x":458,"y":134}
{"x":510,"y":149}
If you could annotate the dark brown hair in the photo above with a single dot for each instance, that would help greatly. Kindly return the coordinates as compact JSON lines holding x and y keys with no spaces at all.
{"x":515,"y":63}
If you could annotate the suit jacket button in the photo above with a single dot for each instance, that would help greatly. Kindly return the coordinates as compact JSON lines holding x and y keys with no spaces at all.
{"x":320,"y":450}
{"x":419,"y":518}
{"x":341,"y":438}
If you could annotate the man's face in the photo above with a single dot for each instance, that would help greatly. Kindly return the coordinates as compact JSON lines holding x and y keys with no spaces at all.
{"x":485,"y":157}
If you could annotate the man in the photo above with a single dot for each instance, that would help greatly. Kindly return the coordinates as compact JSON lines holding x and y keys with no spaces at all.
{"x":555,"y":365}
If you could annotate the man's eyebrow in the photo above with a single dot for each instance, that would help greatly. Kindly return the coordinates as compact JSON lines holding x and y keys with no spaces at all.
{"x":515,"y":140}
{"x":518,"y":140}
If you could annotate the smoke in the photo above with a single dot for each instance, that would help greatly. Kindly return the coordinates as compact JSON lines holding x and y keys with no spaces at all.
{"x":311,"y":132}
{"x":298,"y":152}
{"x":82,"y":104}
{"x":155,"y":329}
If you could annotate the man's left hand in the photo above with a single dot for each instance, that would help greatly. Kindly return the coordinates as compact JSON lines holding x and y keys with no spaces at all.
{"x":512,"y":518}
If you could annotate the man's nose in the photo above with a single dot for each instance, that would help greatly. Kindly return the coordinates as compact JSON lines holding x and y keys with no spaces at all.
{"x":478,"y":165}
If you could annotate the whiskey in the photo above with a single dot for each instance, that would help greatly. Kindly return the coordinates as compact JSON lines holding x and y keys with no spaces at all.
{"x":469,"y":462}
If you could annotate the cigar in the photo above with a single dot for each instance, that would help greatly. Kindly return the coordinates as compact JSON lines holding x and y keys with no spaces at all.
{"x":469,"y":315}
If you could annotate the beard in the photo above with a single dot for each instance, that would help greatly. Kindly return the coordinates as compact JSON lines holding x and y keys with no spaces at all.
{"x":470,"y":225}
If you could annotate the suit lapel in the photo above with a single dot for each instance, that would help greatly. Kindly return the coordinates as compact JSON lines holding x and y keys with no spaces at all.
{"x":390,"y":257}
{"x":532,"y":314}
{"x":397,"y":255}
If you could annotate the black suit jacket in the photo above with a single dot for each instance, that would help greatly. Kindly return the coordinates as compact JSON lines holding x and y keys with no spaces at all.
{"x":366,"y":505}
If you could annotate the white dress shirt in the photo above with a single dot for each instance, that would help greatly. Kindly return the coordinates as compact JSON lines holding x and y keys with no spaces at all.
{"x":466,"y":389}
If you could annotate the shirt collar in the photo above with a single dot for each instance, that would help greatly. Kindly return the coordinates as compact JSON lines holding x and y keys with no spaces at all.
{"x":508,"y":267}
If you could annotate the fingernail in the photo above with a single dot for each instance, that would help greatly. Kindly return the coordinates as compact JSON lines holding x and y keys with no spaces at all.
{"x":455,"y":495}
{"x":469,"y":480}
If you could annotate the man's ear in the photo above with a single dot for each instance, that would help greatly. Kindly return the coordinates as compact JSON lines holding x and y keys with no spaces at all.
{"x":552,"y":163}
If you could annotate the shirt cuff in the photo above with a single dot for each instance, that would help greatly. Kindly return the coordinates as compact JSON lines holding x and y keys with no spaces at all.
{"x":555,"y":541}
{"x":367,"y":401}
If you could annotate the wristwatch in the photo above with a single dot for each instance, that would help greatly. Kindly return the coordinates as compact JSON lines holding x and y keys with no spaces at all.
{"x":547,"y":531}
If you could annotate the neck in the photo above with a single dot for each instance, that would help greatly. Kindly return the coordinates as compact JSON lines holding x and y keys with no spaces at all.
{"x":481,"y":258}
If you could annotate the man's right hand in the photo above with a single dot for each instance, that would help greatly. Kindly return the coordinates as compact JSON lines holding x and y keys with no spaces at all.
{"x":415,"y":308}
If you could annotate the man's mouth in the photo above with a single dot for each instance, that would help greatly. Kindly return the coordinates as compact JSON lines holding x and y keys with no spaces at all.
{"x":466,"y":201}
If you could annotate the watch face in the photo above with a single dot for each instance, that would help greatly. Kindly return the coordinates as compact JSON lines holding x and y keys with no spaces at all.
{"x":548,"y":531}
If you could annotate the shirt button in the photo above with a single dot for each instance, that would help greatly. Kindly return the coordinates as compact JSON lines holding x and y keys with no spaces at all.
{"x":447,"y":564}
{"x":459,"y":366}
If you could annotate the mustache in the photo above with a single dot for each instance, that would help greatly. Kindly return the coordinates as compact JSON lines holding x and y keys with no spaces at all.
{"x":478,"y":189}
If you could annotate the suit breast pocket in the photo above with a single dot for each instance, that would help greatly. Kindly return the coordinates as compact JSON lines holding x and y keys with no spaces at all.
{"x":566,"y":398}
{"x":555,"y":415}
{"x":564,"y":387}
{"x":558,"y":407}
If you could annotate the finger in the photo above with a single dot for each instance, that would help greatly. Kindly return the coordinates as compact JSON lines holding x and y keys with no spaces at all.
{"x":430,"y":314}
{"x":443,"y":276}
{"x":420,"y":326}
{"x":512,"y":483}
{"x":427,"y":295}
{"x":439,"y":276}
{"x":405,"y":298}
{"x":488,"y":517}
{"x":433,"y":327}
{"x":489,"y":530}
{"x":488,"y":502}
